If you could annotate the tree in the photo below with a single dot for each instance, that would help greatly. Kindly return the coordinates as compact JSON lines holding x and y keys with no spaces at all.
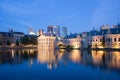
{"x":17,"y":43}
{"x":61,"y":46}
{"x":33,"y":40}
{"x":25,"y":40}
{"x":8,"y":42}
{"x":70,"y":47}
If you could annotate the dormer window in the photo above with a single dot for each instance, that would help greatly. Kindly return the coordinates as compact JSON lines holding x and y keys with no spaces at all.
{"x":102,"y":32}
{"x":117,"y":31}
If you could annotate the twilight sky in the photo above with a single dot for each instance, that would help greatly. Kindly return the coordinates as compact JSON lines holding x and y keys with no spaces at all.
{"x":76,"y":15}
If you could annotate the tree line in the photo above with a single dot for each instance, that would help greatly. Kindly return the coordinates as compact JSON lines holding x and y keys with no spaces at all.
{"x":26,"y":40}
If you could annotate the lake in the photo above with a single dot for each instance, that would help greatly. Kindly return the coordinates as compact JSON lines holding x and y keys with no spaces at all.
{"x":42,"y":64}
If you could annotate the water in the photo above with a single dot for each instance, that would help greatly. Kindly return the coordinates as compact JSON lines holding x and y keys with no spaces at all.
{"x":59,"y":65}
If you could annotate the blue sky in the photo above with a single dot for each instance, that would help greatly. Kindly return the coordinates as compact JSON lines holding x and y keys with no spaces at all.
{"x":76,"y":15}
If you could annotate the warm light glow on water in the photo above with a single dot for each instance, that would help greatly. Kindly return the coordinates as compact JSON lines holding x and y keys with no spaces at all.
{"x":45,"y":56}
{"x":75,"y":56}
{"x":54,"y":64}
{"x":97,"y":56}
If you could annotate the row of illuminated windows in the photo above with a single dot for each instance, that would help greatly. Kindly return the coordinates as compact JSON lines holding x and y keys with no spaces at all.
{"x":46,"y":45}
{"x":46,"y":39}
{"x":106,"y":40}
{"x":46,"y":42}
{"x":109,"y":44}
{"x":112,"y":39}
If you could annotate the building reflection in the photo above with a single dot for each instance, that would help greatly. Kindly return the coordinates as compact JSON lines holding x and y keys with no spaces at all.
{"x":50,"y":57}
{"x":75,"y":56}
{"x":59,"y":53}
{"x":102,"y":59}
{"x":97,"y":57}
{"x":54,"y":58}
{"x":16,"y":56}
{"x":114,"y":61}
{"x":46,"y":56}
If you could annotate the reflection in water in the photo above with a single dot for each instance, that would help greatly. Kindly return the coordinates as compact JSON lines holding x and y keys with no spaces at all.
{"x":16,"y":56}
{"x":102,"y":59}
{"x":46,"y":56}
{"x":97,"y":57}
{"x":75,"y":56}
{"x":114,"y":61}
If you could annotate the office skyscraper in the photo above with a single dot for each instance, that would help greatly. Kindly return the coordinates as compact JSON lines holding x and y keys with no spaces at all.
{"x":56,"y":30}
{"x":64,"y":31}
{"x":50,"y":30}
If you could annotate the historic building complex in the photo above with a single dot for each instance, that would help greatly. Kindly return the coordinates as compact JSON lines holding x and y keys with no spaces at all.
{"x":106,"y":37}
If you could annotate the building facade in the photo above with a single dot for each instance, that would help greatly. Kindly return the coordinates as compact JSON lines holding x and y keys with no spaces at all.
{"x":84,"y":40}
{"x":95,"y":41}
{"x":18,"y":36}
{"x":6,"y":38}
{"x":73,"y":40}
{"x":46,"y":42}
{"x":105,"y":38}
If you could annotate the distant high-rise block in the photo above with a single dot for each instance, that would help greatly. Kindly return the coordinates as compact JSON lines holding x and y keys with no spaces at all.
{"x":50,"y":30}
{"x":56,"y":30}
{"x":64,"y":31}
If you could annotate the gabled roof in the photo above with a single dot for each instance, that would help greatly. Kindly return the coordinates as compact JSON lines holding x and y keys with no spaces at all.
{"x":111,"y":30}
{"x":93,"y":33}
{"x":18,"y":33}
{"x":72,"y":36}
{"x":6,"y":34}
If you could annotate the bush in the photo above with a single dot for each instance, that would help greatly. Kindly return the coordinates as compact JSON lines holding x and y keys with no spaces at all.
{"x":8,"y":43}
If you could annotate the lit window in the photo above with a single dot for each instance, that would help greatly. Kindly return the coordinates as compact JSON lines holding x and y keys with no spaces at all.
{"x":118,"y":39}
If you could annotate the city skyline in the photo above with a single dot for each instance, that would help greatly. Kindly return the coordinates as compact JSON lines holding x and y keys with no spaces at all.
{"x":19,"y":15}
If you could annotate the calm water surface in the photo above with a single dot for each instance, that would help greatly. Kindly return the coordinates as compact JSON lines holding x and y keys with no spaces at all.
{"x":59,"y":65}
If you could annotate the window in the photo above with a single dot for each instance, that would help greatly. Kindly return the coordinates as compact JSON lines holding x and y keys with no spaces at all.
{"x":90,"y":40}
{"x":111,"y":39}
{"x":115,"y":39}
{"x":118,"y":39}
{"x":100,"y":40}
{"x":108,"y":44}
{"x":108,"y":39}
{"x":102,"y":32}
{"x":117,"y":31}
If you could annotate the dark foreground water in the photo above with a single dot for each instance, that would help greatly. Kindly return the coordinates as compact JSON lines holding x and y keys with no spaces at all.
{"x":59,"y":65}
